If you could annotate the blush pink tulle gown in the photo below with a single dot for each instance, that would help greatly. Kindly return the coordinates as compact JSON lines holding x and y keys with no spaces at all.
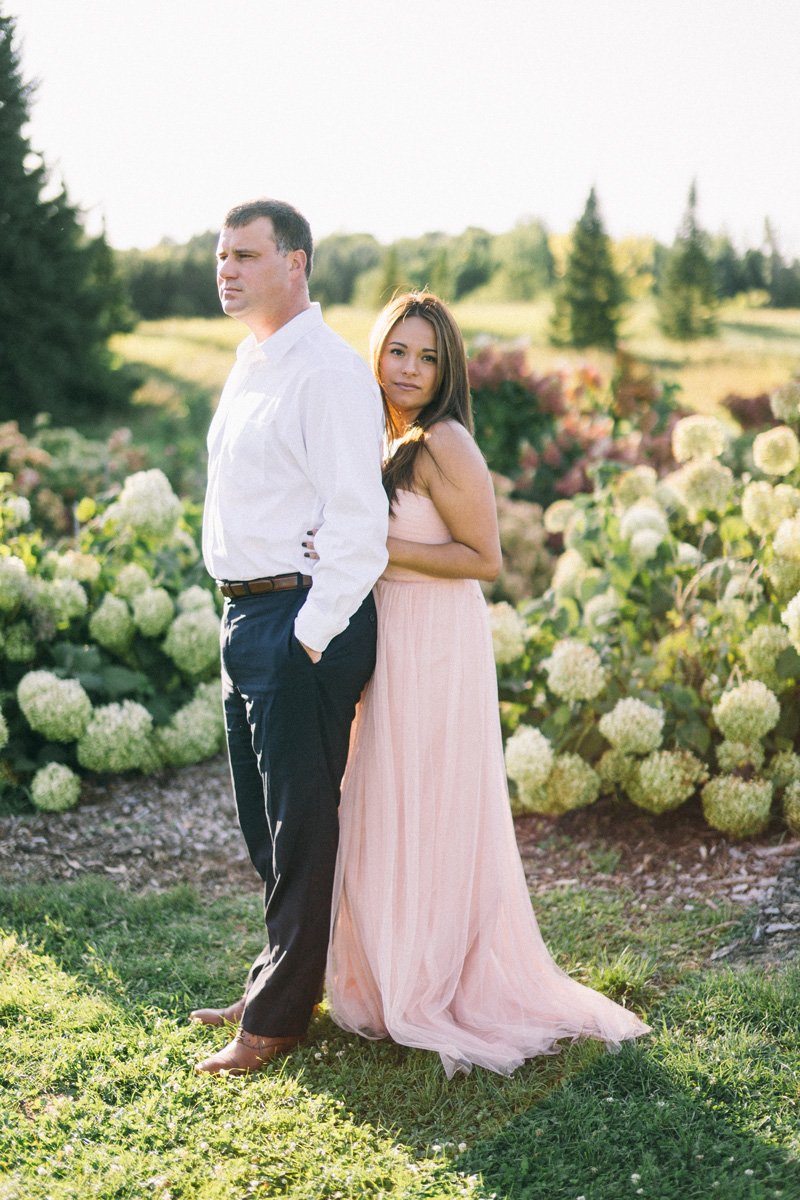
{"x":433,"y":940}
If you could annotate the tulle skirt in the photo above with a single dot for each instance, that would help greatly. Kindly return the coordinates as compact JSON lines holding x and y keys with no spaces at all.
{"x":434,"y":942}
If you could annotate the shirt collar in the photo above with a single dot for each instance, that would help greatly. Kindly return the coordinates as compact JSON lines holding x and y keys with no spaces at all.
{"x":281,"y":342}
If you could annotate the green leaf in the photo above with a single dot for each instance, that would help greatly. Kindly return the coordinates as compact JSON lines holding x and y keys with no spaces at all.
{"x":787,"y":664}
{"x":733,"y":528}
{"x":120,"y":681}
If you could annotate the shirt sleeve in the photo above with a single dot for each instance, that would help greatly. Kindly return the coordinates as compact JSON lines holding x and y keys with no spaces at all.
{"x":341,"y":425}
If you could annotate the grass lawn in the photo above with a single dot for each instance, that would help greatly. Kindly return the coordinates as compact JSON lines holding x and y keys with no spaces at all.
{"x":99,"y":1099}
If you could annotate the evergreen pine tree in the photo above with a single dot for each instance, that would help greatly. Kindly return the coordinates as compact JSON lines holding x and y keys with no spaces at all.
{"x":687,"y":300}
{"x":591,"y":293}
{"x":60,"y":296}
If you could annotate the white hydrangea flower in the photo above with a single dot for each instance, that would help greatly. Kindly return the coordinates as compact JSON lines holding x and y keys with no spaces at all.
{"x":784,"y":768}
{"x":664,"y":780}
{"x":153,"y":611}
{"x":688,"y":555}
{"x":776,"y":451}
{"x":62,"y":600}
{"x":601,"y":610}
{"x":788,"y":497}
{"x":569,"y":573}
{"x":19,"y":645}
{"x":698,"y":437}
{"x":508,"y":633}
{"x":760,"y":509}
{"x":17,"y":511}
{"x":633,"y":726}
{"x":529,"y":760}
{"x":704,"y":485}
{"x":184,"y":546}
{"x":147,"y":505}
{"x":785,"y":401}
{"x":111,"y":624}
{"x":791,"y":807}
{"x":193,"y":641}
{"x":13,"y":582}
{"x":57,"y":708}
{"x":614,"y":769}
{"x":747,"y":713}
{"x":574,"y":671}
{"x":558,"y":516}
{"x":117,"y":738}
{"x":132,"y":579}
{"x":734,"y":755}
{"x":761,"y":651}
{"x":784,"y":575}
{"x":195,"y":733}
{"x":3,"y":731}
{"x":786,"y":542}
{"x":791,"y":619}
{"x":644,"y":544}
{"x":572,"y":783}
{"x":737,"y":807}
{"x":195,"y":597}
{"x":73,"y":564}
{"x":55,"y":788}
{"x":637,"y":484}
{"x":641,"y":517}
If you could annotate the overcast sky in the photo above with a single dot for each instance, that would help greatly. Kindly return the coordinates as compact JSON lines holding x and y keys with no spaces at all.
{"x":397,"y":117}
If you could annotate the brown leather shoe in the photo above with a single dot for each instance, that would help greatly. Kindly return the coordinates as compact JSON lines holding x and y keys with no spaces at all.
{"x":247,"y":1053}
{"x":231,"y":1015}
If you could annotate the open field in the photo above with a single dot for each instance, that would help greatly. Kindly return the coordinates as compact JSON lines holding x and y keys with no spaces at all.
{"x":756,"y":348}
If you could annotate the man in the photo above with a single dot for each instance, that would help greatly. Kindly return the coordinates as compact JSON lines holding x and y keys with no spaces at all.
{"x":293,"y":447}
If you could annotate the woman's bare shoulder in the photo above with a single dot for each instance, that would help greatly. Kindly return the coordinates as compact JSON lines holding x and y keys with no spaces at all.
{"x":454,"y":455}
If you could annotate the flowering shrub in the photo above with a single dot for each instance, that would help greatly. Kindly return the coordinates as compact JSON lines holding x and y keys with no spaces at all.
{"x":102,"y":643}
{"x":666,"y":651}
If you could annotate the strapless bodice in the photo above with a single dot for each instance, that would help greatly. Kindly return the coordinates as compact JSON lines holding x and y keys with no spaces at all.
{"x":414,"y":518}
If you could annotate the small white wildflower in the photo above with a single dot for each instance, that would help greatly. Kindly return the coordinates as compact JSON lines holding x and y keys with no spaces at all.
{"x":55,"y":788}
{"x":632,"y":726}
{"x":747,"y":713}
{"x":635,"y":1178}
{"x":776,"y":451}
{"x":17,"y":510}
{"x":698,"y":437}
{"x":574,"y":671}
{"x":737,"y":807}
{"x":508,"y":633}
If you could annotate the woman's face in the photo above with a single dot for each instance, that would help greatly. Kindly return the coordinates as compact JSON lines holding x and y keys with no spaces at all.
{"x":409,"y":368}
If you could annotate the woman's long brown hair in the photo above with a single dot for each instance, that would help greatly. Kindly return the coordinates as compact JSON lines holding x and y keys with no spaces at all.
{"x":451,"y":401}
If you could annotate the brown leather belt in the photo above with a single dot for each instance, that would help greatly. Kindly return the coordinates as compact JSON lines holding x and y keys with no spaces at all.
{"x":270,"y":583}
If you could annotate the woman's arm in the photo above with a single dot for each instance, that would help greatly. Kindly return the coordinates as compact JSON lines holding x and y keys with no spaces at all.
{"x":457,"y":480}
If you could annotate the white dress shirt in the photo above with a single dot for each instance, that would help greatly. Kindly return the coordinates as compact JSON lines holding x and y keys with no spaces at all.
{"x":294,"y":445}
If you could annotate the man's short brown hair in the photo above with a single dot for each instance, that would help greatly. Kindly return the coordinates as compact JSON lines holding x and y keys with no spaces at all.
{"x":292,"y":230}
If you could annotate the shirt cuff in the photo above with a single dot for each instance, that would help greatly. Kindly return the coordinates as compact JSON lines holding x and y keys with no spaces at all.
{"x":314,"y":628}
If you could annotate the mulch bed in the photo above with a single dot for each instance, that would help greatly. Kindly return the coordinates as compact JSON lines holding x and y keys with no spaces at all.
{"x":180,"y":827}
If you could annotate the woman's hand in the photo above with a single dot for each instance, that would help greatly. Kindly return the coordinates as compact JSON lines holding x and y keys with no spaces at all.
{"x":310,"y":552}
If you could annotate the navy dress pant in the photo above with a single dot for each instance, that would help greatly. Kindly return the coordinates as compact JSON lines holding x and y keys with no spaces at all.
{"x":288,"y":730}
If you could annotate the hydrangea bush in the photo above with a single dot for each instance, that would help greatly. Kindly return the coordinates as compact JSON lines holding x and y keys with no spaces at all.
{"x":666,"y":651}
{"x":109,"y":643}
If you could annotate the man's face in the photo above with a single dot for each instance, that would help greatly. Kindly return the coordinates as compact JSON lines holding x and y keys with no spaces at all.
{"x":252,"y":276}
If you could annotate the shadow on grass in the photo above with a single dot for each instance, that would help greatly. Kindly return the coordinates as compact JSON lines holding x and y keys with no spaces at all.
{"x":773,"y":333}
{"x":705,"y":1106}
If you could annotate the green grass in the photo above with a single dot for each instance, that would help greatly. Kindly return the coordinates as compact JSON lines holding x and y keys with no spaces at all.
{"x":98,"y":1098}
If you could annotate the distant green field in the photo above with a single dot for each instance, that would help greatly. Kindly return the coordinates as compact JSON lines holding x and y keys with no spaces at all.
{"x":756,"y":348}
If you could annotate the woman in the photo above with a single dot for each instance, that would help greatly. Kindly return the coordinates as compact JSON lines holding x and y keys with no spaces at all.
{"x":434,"y":942}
